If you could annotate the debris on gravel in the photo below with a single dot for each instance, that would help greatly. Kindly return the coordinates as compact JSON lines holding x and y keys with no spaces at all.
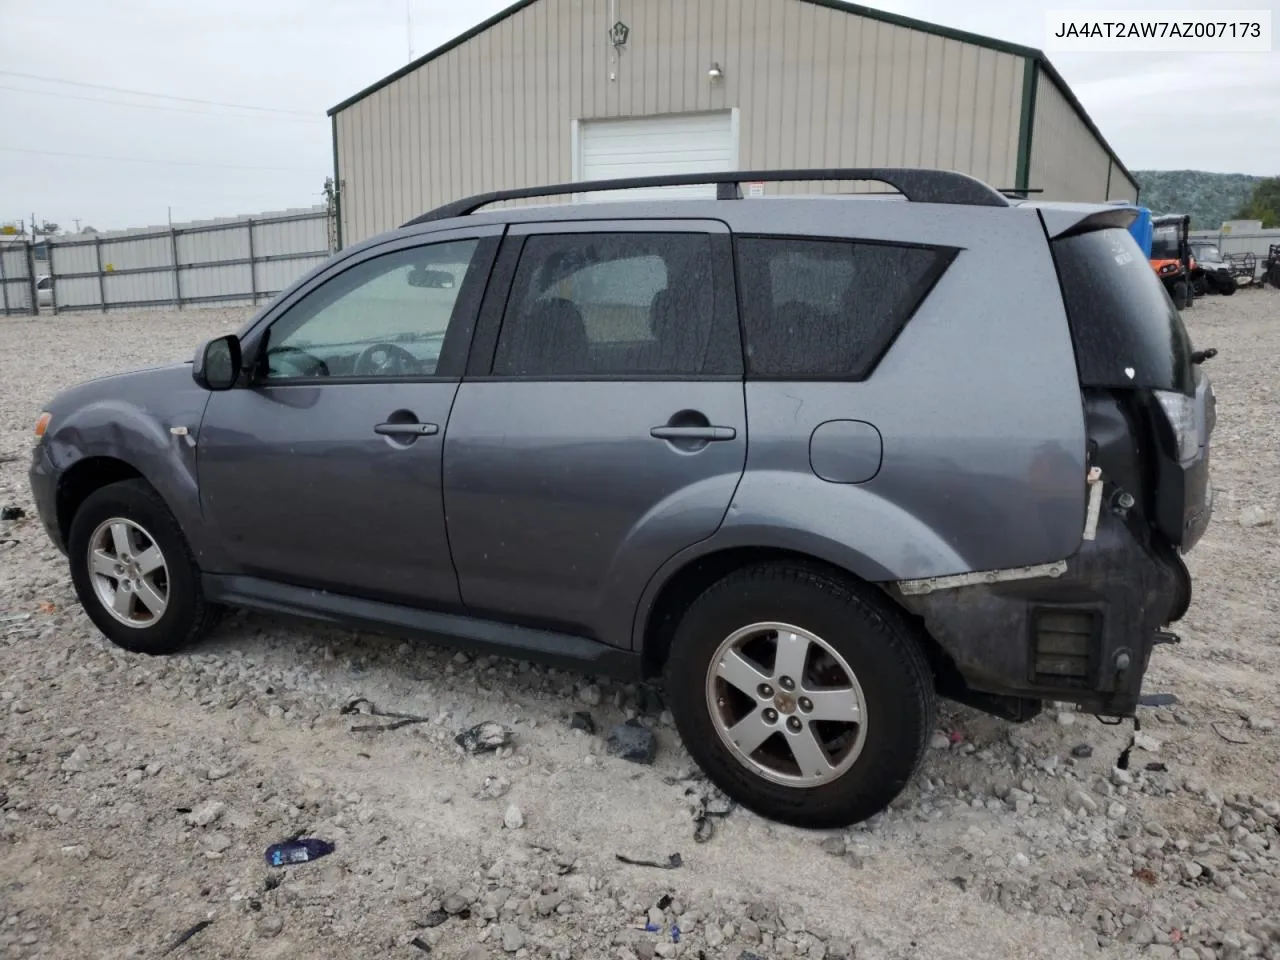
{"x":135,"y":788}
{"x":513,"y":819}
{"x":484,"y":737}
{"x":633,"y":742}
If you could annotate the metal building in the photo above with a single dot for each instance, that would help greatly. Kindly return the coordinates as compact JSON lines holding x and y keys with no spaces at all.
{"x":551,"y":91}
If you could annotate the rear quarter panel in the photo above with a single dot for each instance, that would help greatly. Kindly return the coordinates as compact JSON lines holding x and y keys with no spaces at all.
{"x":977,"y":402}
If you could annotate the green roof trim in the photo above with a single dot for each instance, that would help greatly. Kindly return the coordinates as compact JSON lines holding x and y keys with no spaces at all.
{"x":1030,"y":81}
{"x":1018,"y":50}
{"x":337,"y":184}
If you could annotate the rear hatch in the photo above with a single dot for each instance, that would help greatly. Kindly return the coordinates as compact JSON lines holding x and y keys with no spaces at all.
{"x":1130,"y":340}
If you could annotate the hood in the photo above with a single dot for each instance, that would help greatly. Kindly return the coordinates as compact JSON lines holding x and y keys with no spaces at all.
{"x":147,"y":387}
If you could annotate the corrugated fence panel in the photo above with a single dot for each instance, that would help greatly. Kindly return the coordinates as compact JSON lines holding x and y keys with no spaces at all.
{"x":72,"y":258}
{"x":274,"y":275}
{"x":211,"y":283}
{"x":213,"y":261}
{"x":137,"y":288}
{"x":212,"y":246}
{"x":15,"y":279}
{"x":148,"y":252}
{"x":289,"y":236}
{"x":77,"y":293}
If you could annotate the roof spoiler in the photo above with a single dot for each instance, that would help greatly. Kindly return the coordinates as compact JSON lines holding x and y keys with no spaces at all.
{"x":1068,"y":219}
{"x":919,"y":186}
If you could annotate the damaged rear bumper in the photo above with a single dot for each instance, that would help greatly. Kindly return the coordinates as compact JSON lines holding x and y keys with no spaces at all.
{"x":1080,"y":630}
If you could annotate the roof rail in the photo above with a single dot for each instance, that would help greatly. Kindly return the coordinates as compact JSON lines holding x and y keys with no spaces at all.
{"x":918,"y":185}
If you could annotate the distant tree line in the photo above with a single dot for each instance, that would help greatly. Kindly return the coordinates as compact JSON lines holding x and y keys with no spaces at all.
{"x":1264,"y":205}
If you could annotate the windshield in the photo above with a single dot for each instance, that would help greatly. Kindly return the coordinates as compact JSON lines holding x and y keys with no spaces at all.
{"x":1206,"y":251}
{"x":1126,"y":330}
{"x":1164,"y":243}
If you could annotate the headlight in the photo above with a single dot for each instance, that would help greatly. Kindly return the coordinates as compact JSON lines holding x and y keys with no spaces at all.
{"x":42,"y":423}
{"x":1169,"y":268}
{"x":1180,"y":411}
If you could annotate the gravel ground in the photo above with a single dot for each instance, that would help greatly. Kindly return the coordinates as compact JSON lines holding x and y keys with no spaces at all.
{"x":137,"y":795}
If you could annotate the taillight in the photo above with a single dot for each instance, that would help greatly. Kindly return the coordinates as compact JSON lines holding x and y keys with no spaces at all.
{"x":1180,"y":412}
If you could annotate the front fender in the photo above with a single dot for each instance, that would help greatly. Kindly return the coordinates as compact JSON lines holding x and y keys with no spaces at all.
{"x":149,"y":420}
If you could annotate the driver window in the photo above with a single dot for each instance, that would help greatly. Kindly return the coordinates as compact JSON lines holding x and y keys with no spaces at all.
{"x":384,"y":317}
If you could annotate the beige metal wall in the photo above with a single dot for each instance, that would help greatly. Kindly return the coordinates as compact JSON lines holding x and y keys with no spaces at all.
{"x":814,"y":86}
{"x":1122,"y":188}
{"x":1067,"y":161}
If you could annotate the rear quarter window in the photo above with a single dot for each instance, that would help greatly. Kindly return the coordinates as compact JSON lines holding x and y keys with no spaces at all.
{"x":1126,"y":331}
{"x":828,"y":309}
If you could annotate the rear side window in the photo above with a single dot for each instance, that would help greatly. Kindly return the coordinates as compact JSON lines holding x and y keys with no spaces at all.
{"x":617,"y":304}
{"x":828,"y":309}
{"x":1125,"y":328}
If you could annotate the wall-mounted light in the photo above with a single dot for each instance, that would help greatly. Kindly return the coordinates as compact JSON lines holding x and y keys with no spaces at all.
{"x":715,"y":73}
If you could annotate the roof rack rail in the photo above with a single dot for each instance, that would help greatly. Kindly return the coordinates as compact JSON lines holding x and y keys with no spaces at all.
{"x":917,"y":185}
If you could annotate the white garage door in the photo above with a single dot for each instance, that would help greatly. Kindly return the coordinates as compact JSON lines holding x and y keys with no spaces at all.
{"x":652,"y":146}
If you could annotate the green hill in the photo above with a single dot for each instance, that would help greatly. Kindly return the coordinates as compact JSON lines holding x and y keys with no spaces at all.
{"x":1210,"y":198}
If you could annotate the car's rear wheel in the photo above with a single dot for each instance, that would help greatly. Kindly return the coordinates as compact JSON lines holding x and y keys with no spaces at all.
{"x":804,"y":695}
{"x":133,"y":570}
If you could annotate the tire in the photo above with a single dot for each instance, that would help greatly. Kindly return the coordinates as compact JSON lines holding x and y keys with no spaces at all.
{"x":1227,"y":286}
{"x":879,"y":648}
{"x":1181,"y":295}
{"x":135,"y":507}
{"x":1199,"y":287}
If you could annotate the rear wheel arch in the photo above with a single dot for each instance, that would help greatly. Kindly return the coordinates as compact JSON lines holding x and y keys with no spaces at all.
{"x":699,"y":574}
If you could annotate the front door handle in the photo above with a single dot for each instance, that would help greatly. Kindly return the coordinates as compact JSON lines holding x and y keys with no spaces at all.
{"x":407,"y":429}
{"x":708,"y":434}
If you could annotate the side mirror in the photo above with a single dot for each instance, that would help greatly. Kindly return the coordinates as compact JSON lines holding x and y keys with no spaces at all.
{"x":217,"y":363}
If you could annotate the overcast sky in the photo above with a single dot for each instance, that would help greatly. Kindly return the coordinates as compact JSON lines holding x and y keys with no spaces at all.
{"x":67,"y":154}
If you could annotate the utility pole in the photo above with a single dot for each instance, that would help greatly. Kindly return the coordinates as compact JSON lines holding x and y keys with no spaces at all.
{"x":408,"y":26}
{"x":76,"y":221}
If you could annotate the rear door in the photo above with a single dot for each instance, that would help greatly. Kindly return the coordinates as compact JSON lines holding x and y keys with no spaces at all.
{"x":601,"y":427}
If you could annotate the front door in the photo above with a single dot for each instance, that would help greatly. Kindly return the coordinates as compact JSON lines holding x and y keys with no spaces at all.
{"x":601,"y":427}
{"x":324,"y":470}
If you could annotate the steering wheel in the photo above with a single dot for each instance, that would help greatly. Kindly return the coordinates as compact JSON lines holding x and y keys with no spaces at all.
{"x":386,"y":360}
{"x":306,"y":364}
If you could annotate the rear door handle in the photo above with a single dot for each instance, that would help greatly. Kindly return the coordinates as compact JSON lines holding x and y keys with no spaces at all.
{"x":407,"y":429}
{"x":708,"y":434}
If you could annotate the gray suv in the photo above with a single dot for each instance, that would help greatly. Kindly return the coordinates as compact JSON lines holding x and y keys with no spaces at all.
{"x":816,"y":461}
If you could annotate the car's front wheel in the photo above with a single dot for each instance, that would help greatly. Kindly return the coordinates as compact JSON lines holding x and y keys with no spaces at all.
{"x":804,"y":695}
{"x":133,"y":570}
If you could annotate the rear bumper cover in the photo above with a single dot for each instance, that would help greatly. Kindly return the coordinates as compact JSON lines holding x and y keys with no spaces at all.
{"x":1125,"y":590}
